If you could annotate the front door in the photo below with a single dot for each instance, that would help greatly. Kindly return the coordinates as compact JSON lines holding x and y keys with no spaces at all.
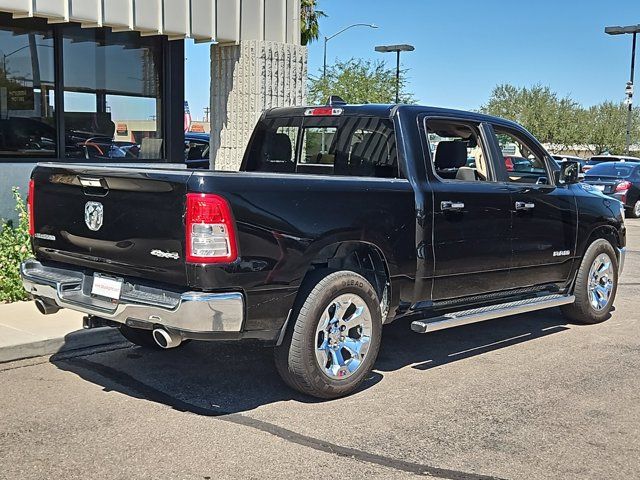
{"x":544,"y":216}
{"x":472,"y":214}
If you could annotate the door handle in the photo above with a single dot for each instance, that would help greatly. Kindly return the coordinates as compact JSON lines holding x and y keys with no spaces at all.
{"x":451,"y":206}
{"x":525,"y":205}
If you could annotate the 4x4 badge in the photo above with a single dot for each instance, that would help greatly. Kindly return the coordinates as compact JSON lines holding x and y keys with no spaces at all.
{"x":93,"y":215}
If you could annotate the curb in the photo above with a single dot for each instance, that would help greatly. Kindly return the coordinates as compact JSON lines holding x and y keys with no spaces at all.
{"x":72,"y":341}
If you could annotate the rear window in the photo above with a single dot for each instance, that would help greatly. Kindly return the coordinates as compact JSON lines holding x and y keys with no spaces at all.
{"x":596,"y":160}
{"x":611,"y":170}
{"x":352,"y":146}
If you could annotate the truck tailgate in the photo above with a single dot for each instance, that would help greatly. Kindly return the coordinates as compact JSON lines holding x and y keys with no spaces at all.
{"x":126,"y":220}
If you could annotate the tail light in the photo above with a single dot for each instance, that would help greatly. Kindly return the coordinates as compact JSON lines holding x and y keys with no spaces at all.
{"x":623,"y":186}
{"x":508,"y":163}
{"x":210,"y":230}
{"x":30,"y":203}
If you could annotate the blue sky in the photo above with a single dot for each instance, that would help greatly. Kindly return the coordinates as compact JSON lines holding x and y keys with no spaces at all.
{"x":465,"y":48}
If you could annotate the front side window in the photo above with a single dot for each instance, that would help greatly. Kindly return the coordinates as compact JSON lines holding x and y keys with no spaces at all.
{"x":456,"y":151}
{"x":522,"y":163}
{"x":27,"y":121}
{"x":112,"y":95}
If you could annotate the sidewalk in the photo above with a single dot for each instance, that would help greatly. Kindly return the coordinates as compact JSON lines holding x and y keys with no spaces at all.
{"x":25,"y":332}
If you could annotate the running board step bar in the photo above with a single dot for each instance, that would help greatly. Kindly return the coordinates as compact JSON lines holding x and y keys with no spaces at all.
{"x":456,"y":319}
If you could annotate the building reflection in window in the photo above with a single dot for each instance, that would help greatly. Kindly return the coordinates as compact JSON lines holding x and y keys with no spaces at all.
{"x":27,"y":121}
{"x":112,"y":95}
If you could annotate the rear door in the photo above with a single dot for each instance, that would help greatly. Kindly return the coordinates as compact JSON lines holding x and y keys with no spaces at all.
{"x":544,"y":216}
{"x":472,"y":217}
{"x":123,"y":220}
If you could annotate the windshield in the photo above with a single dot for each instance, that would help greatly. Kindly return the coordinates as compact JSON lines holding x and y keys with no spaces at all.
{"x":611,"y":170}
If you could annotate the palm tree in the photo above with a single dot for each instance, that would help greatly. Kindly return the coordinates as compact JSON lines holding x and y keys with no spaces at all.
{"x":309,"y":15}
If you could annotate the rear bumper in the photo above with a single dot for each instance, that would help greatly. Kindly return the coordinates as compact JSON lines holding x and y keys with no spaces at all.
{"x":139,"y":305}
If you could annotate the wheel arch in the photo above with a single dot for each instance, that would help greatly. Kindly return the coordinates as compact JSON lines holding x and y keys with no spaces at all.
{"x":607,"y":232}
{"x":359,"y":256}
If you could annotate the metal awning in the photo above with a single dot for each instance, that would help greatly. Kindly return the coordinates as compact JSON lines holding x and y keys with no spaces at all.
{"x":203,"y":20}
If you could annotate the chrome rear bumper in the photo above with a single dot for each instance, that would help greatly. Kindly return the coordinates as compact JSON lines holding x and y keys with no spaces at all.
{"x":195,"y":312}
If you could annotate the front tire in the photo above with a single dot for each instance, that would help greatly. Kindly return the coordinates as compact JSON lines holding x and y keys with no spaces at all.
{"x":335,"y":337}
{"x":596,"y":285}
{"x":634,"y":212}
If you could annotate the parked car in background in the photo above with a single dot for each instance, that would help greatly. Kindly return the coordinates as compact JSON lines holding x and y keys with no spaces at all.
{"x":518,"y":164}
{"x":620,"y":180}
{"x":196,"y":150}
{"x":563,"y":158}
{"x":597,"y":159}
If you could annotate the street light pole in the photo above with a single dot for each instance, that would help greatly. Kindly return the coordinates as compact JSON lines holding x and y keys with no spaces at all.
{"x":324,"y":61}
{"x":326,"y":39}
{"x":397,"y":49}
{"x":630,"y":103}
{"x":633,"y":30}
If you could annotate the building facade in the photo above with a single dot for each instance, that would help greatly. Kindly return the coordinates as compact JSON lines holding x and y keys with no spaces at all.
{"x":103,"y":80}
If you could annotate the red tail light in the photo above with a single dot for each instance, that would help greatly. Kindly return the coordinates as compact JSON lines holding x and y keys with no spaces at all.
{"x":210,"y":230}
{"x":30,"y":203}
{"x":623,"y":186}
{"x":508,"y":163}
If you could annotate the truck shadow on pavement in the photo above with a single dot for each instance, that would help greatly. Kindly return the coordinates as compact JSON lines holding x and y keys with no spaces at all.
{"x":217,"y":379}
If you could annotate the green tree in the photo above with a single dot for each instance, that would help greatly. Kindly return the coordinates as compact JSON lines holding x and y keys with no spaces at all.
{"x":605,"y":130}
{"x":561,"y":121}
{"x":359,"y":81}
{"x":309,"y":16}
{"x":550,"y":118}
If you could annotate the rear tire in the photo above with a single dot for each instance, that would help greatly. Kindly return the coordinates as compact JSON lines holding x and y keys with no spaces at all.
{"x":334,"y":339}
{"x":596,"y":285}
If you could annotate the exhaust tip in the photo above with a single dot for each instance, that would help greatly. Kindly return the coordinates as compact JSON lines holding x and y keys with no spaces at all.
{"x":46,"y":307}
{"x":165,"y":339}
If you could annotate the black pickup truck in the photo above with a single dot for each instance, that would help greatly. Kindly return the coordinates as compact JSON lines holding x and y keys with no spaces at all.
{"x":343,"y":218}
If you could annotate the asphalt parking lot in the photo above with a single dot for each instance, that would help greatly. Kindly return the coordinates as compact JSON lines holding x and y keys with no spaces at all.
{"x":522,"y":397}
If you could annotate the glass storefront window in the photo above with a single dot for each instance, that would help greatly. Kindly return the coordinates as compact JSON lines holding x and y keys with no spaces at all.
{"x":112,"y":95}
{"x":27,"y":120}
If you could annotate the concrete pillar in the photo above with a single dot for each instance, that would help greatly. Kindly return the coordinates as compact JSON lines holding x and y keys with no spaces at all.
{"x":246,"y":79}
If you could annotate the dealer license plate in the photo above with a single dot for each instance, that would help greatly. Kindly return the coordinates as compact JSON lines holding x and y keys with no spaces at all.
{"x":106,"y":287}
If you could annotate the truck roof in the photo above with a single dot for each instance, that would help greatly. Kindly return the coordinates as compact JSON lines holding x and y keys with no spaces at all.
{"x":387,"y":111}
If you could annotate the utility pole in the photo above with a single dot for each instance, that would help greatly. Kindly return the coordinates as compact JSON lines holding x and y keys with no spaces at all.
{"x":206,"y":113}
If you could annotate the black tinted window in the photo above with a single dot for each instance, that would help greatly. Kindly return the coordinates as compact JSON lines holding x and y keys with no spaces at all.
{"x":353,"y":146}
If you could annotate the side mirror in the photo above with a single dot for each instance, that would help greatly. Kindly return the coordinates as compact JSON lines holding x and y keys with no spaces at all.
{"x":569,"y":173}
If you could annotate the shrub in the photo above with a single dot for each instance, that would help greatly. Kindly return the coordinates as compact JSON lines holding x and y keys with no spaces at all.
{"x":14,"y":248}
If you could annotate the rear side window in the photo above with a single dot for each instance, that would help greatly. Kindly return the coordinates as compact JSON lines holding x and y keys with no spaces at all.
{"x":351,"y":146}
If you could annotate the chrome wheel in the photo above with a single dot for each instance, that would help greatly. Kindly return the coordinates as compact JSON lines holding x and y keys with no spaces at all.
{"x":636,"y":209}
{"x":343,"y":336}
{"x":601,"y":278}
